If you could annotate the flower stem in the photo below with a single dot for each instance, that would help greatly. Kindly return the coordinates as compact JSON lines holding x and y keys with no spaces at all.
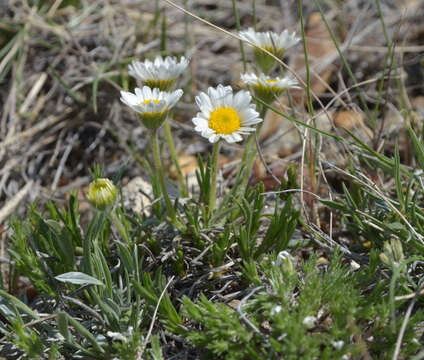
{"x":87,"y":255}
{"x":212,"y":190}
{"x":119,"y":225}
{"x":250,"y":159}
{"x":174,"y":158}
{"x":159,"y":173}
{"x":247,"y":160}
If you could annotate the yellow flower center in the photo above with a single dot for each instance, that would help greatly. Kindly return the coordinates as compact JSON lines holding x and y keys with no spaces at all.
{"x":271,"y":81}
{"x":224,"y":120}
{"x":148,"y":101}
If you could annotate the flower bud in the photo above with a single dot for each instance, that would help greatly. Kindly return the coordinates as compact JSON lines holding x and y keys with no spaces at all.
{"x":397,"y":250}
{"x":393,"y":253}
{"x":385,"y":259}
{"x":284,"y":259}
{"x":101,"y":193}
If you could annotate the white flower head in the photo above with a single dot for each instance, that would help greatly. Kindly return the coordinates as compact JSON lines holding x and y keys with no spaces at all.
{"x":160,"y":73}
{"x":276,"y":44}
{"x":152,"y":105}
{"x":276,"y":310}
{"x":338,"y":345}
{"x":267,"y":88}
{"x":224,"y":115}
{"x":309,"y":322}
{"x":116,"y":336}
{"x":354,"y":265}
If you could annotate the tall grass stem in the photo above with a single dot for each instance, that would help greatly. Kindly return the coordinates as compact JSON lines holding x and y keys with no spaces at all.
{"x":345,"y":63}
{"x":237,"y":20}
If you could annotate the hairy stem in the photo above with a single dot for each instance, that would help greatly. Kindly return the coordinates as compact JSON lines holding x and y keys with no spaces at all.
{"x":174,"y":158}
{"x":248,"y":158}
{"x":120,"y":226}
{"x":212,"y":193}
{"x":159,"y":174}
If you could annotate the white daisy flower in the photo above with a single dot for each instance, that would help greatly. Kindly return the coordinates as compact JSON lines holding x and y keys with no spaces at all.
{"x":151,"y":105}
{"x":275,"y":43}
{"x":267,"y":88}
{"x":160,"y":73}
{"x":224,"y":115}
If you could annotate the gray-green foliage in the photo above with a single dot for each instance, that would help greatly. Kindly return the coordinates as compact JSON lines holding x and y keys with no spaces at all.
{"x":94,"y":301}
{"x":101,"y":295}
{"x":128,"y":286}
{"x":102,"y":305}
{"x":277,"y":316}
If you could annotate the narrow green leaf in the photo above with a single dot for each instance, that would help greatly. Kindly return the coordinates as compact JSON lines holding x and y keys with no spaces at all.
{"x":18,"y":303}
{"x":418,"y":147}
{"x":85,"y":333}
{"x":79,"y":278}
{"x":62,"y":324}
{"x":398,"y":180}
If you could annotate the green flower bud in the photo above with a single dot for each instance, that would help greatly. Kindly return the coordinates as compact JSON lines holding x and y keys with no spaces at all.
{"x":393,"y":253}
{"x":101,"y":193}
{"x":397,"y":250}
{"x":385,"y":259}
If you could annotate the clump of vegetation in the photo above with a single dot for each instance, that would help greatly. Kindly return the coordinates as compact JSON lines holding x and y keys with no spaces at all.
{"x":323,"y":260}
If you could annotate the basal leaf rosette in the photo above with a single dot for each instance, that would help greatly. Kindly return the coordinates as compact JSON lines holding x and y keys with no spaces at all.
{"x":275,"y":43}
{"x":152,"y":105}
{"x":224,"y":115}
{"x":268,"y":88}
{"x":161,"y":73}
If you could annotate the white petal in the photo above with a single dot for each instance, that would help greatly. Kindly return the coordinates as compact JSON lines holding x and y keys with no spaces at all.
{"x":249,"y":116}
{"x":213,"y":95}
{"x":155,"y":93}
{"x":241,"y":100}
{"x":237,"y":137}
{"x":232,"y":138}
{"x":246,"y":129}
{"x":207,"y":132}
{"x":204,"y":103}
{"x":252,"y":122}
{"x":200,"y":123}
{"x":214,"y":138}
{"x":147,"y":93}
{"x":140,"y":94}
{"x":129,"y":98}
{"x":174,"y":97}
